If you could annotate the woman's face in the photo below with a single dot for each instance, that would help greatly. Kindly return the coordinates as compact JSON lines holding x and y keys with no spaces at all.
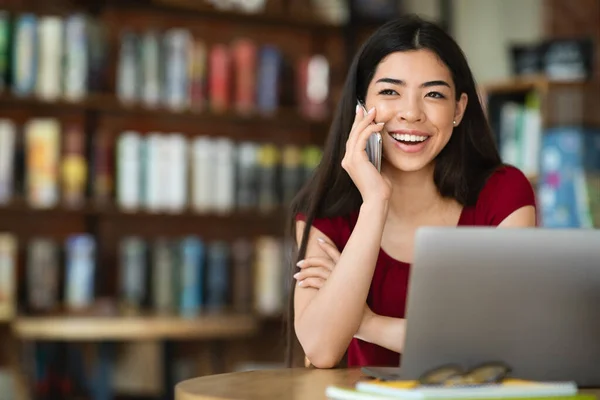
{"x":414,"y":94}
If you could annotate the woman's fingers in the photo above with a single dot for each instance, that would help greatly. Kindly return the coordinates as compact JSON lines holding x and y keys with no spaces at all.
{"x":312,"y":272}
{"x":330,"y":249}
{"x":324,"y":262}
{"x":316,"y":283}
{"x":359,"y":127}
{"x":361,"y":140}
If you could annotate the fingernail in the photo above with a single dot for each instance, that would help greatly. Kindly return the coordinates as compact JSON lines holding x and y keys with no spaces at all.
{"x":321,"y":240}
{"x":299,"y":263}
{"x":381,"y":123}
{"x":371,"y":110}
{"x":296,"y":275}
{"x":300,"y":283}
{"x":357,"y":108}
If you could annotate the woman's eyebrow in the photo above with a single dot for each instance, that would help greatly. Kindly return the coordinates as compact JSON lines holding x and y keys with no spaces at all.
{"x":400,"y":82}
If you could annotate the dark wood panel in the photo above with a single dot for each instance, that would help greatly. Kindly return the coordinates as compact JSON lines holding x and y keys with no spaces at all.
{"x":575,"y":19}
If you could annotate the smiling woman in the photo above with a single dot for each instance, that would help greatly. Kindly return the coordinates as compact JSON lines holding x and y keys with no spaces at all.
{"x":355,"y":226}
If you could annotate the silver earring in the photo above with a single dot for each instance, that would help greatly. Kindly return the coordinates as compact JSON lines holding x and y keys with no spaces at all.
{"x":453,"y":122}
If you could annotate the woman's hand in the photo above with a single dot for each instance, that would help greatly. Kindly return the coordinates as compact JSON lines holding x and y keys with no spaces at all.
{"x":371,"y":184}
{"x":315,"y":270}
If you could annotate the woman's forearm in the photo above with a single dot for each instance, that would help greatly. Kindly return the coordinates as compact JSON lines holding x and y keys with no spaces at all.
{"x":328,"y":322}
{"x":384,"y":331}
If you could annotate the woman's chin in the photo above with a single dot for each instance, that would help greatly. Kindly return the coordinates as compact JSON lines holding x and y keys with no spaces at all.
{"x":410,"y":165}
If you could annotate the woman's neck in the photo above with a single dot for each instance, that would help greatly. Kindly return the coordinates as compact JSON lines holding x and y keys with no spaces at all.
{"x":414,"y":194}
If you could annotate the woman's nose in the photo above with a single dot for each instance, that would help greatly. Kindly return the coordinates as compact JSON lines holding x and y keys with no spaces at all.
{"x":410,"y":111}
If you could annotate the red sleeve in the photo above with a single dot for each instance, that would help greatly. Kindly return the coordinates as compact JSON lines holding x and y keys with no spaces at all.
{"x":329,"y":226}
{"x":507,"y":190}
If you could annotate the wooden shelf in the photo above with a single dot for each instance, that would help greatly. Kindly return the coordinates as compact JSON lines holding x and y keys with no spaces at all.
{"x":20,"y":206}
{"x":104,"y":103}
{"x":77,"y":328}
{"x":526,"y":84}
{"x":267,"y":17}
{"x":516,"y":85}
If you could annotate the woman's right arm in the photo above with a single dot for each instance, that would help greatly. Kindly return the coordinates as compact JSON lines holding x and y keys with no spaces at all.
{"x":327,"y":319}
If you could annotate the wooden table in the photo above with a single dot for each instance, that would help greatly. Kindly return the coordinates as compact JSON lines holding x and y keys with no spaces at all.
{"x":294,"y":383}
{"x":281,"y":384}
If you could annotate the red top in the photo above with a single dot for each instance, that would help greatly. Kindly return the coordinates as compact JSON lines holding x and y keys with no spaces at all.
{"x":505,"y":191}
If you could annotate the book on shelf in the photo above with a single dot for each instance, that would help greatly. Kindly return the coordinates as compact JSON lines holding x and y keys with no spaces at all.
{"x":43,"y":275}
{"x":569,"y":184}
{"x":8,"y":274}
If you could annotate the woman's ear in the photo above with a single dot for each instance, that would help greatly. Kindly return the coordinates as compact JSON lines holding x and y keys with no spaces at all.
{"x":461,"y":106}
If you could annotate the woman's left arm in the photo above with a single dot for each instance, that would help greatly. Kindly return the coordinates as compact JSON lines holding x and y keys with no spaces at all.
{"x":374,"y":328}
{"x":524,"y":217}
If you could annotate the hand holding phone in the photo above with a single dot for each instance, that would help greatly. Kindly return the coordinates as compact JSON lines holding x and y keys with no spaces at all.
{"x":374,"y":145}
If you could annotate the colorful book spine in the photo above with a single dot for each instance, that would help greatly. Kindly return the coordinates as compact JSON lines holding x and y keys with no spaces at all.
{"x":268,"y":80}
{"x":176,"y":197}
{"x":151,"y":69}
{"x":192,"y":276}
{"x":198,"y":74}
{"x":291,"y":172}
{"x":8,"y":274}
{"x":43,"y":152}
{"x":128,"y":87}
{"x":43,"y":275}
{"x":80,"y":253}
{"x":163,"y":277}
{"x":224,"y":176}
{"x":202,"y":174}
{"x":5,"y":40}
{"x":220,"y":78}
{"x":152,"y":168}
{"x":247,"y":175}
{"x":268,"y":289}
{"x":102,"y":174}
{"x":25,"y":63}
{"x":7,"y":159}
{"x":244,"y":60}
{"x":242,"y":253}
{"x":50,"y":60}
{"x":98,"y":55}
{"x":268,"y":160}
{"x":74,"y":166}
{"x":218,"y":276}
{"x":133,"y":273}
{"x":76,"y":57}
{"x":128,"y":170}
{"x":178,"y":43}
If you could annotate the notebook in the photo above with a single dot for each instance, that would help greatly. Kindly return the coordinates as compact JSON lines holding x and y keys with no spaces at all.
{"x":510,"y":388}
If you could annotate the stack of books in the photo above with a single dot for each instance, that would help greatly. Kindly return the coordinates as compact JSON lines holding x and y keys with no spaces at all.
{"x":509,"y":388}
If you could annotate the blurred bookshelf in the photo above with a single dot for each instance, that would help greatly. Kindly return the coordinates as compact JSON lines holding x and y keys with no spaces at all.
{"x":550,"y":129}
{"x":142,"y":328}
{"x":148,"y":152}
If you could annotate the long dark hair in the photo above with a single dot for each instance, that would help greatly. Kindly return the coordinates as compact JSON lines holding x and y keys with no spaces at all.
{"x":461,"y":168}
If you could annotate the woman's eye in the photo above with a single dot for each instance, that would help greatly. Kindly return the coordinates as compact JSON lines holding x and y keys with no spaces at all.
{"x":388,"y":92}
{"x":436,"y":95}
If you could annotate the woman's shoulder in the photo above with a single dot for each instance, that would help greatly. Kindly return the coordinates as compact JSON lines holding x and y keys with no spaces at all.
{"x":505,"y":191}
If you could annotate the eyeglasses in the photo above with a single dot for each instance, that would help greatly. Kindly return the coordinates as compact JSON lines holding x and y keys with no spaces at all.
{"x":456,"y":375}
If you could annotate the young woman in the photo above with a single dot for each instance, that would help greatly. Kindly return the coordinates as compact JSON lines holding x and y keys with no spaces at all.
{"x":355,"y":226}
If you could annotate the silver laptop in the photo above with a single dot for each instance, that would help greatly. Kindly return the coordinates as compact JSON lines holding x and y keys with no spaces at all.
{"x":527,"y":297}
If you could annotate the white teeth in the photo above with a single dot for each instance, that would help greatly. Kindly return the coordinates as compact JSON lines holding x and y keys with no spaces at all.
{"x":409,"y":138}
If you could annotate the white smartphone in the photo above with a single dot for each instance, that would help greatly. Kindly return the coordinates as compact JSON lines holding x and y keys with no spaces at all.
{"x":374,"y":145}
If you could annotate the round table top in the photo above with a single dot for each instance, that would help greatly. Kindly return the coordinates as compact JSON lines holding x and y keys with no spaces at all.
{"x":292,"y":383}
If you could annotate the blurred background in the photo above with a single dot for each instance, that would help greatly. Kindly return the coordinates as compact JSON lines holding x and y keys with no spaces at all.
{"x":149,"y":149}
